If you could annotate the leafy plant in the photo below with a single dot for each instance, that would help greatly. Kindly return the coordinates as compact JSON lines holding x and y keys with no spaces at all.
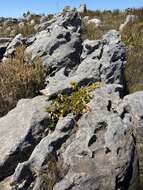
{"x":75,"y":103}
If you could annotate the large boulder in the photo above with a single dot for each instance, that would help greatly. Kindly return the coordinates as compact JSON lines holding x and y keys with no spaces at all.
{"x":133,"y":104}
{"x":95,"y":151}
{"x":101,"y":60}
{"x":20,"y":131}
{"x":59,"y":43}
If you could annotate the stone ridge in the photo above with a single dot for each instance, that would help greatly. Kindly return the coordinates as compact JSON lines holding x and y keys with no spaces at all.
{"x":96,"y":150}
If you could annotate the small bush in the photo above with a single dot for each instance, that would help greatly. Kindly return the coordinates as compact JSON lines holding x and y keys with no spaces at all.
{"x":19,"y":78}
{"x":76,"y":103}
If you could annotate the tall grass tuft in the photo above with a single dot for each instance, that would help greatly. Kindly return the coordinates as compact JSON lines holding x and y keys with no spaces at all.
{"x":20,"y":77}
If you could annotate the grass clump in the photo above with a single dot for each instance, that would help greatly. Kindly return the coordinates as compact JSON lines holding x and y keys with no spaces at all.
{"x":133,"y":38}
{"x":109,"y":19}
{"x":51,"y":174}
{"x":12,"y":29}
{"x":20,"y":77}
{"x":75,"y":103}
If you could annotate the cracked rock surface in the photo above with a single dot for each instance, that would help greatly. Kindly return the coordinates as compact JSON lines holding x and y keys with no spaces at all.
{"x":97,"y":150}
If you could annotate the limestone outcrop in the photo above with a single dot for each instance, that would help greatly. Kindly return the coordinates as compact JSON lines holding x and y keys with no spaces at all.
{"x":96,"y":149}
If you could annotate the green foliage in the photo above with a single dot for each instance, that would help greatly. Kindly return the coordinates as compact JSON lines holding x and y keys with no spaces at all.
{"x":75,"y":103}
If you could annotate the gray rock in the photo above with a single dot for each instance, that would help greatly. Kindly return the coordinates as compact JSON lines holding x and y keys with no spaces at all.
{"x":95,"y":151}
{"x":20,"y":131}
{"x":59,"y":44}
{"x":89,"y":46}
{"x":29,"y":41}
{"x":43,"y":19}
{"x":133,"y":105}
{"x":97,"y":22}
{"x":129,"y":19}
{"x":44,"y":25}
{"x":82,"y":8}
{"x":18,"y":40}
{"x":3,"y":45}
{"x":102,"y":60}
{"x":113,"y":58}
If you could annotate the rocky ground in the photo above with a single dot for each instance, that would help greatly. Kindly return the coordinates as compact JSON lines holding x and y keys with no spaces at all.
{"x":99,"y":148}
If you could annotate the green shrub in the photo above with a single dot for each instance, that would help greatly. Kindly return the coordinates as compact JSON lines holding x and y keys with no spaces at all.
{"x":75,"y":103}
{"x":19,"y":78}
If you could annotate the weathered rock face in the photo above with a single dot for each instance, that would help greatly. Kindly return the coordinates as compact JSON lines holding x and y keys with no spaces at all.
{"x":59,"y":43}
{"x":18,"y":40}
{"x":101,"y":60}
{"x":93,"y":152}
{"x":133,"y":104}
{"x":20,"y":131}
{"x":96,"y":150}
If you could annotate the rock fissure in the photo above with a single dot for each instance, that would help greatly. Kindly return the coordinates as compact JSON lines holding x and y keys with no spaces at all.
{"x":95,"y":149}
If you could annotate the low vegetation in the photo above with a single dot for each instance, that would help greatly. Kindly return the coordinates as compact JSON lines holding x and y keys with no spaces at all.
{"x":132,"y":36}
{"x":51,"y":174}
{"x":109,"y":19}
{"x":20,"y":77}
{"x":75,"y":103}
{"x":11,"y":29}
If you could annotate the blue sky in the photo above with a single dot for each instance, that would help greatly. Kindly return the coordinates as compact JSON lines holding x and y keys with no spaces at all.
{"x":16,"y":8}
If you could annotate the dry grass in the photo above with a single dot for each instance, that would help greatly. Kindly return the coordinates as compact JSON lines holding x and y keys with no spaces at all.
{"x":11,"y":30}
{"x":109,"y":19}
{"x":132,"y":36}
{"x":19,"y":78}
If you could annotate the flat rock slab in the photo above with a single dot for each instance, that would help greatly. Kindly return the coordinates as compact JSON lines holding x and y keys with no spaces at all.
{"x":20,"y":130}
